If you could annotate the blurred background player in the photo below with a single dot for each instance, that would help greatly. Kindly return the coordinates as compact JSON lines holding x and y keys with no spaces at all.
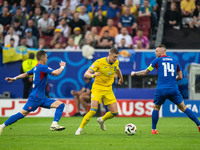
{"x":103,"y":70}
{"x":169,"y":72}
{"x":27,"y":65}
{"x":37,"y":96}
{"x":83,"y":96}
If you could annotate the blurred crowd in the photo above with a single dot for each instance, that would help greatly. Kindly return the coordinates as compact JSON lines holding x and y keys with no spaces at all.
{"x":102,"y":24}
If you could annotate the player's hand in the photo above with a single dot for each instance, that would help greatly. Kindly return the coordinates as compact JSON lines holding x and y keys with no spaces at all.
{"x":120,"y":81}
{"x":10,"y":80}
{"x":62,"y":63}
{"x":133,"y":73}
{"x":97,"y":74}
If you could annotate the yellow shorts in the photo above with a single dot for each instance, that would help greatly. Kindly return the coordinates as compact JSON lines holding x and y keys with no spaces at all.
{"x":107,"y":96}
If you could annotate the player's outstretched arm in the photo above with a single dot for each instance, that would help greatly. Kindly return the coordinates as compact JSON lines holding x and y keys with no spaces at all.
{"x":10,"y":80}
{"x":59,"y":70}
{"x":119,"y":73}
{"x":179,"y":76}
{"x":140,"y":73}
{"x":91,"y":74}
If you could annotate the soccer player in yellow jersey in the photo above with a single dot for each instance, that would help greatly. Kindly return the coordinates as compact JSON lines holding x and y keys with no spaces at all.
{"x":103,"y":70}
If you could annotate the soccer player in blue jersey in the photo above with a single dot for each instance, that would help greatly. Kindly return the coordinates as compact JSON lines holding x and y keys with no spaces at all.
{"x":169,"y":72}
{"x":37,"y":96}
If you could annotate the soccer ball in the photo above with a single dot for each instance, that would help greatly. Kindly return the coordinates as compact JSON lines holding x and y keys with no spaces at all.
{"x":130,"y":129}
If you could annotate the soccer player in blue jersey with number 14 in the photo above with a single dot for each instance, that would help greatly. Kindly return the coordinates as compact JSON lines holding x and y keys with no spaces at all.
{"x":169,"y":72}
{"x":37,"y":96}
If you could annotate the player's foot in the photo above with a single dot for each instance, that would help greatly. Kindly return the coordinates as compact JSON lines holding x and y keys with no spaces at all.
{"x":57,"y":128}
{"x":1,"y":130}
{"x":78,"y":131}
{"x":101,"y":122}
{"x":198,"y":128}
{"x":154,"y":131}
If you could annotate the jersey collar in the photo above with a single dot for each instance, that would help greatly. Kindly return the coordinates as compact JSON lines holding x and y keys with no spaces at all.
{"x":108,"y":62}
{"x":164,"y":56}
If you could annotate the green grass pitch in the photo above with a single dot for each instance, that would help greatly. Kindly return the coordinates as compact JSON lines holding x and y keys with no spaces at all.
{"x":34,"y":133}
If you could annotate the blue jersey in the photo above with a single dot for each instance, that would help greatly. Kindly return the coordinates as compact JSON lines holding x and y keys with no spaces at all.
{"x":39,"y":73}
{"x":167,"y":70}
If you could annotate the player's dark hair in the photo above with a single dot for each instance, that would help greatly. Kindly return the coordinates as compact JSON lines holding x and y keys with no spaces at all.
{"x":40,"y":54}
{"x":31,"y":56}
{"x":161,"y":46}
{"x":113,"y":50}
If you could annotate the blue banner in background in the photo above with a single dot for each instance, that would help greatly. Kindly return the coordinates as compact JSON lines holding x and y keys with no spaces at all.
{"x":76,"y":65}
{"x":169,"y":109}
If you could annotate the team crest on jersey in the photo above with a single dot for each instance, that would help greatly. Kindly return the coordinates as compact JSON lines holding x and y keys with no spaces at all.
{"x":109,"y":73}
{"x":92,"y":66}
{"x":92,"y":96}
{"x":49,"y":68}
{"x":115,"y":68}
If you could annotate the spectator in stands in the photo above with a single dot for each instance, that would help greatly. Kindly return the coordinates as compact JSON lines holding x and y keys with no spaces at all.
{"x":77,"y":36}
{"x":64,"y":14}
{"x":123,"y":44}
{"x":41,"y":44}
{"x":36,"y":16}
{"x":1,"y":35}
{"x":54,"y":8}
{"x":134,"y":3}
{"x":187,"y":9}
{"x":94,"y":35}
{"x":54,"y":18}
{"x":127,"y":20}
{"x":64,"y":27}
{"x":11,"y":35}
{"x":145,"y":9}
{"x":35,"y":32}
{"x":23,"y":42}
{"x":72,"y":5}
{"x":25,"y":8}
{"x":102,"y":6}
{"x":58,"y":41}
{"x":84,"y":16}
{"x":88,"y":6}
{"x":77,"y":22}
{"x":106,"y":42}
{"x":27,"y":65}
{"x":45,"y":25}
{"x":71,"y":45}
{"x":19,"y":15}
{"x":140,"y":41}
{"x":173,"y":17}
{"x":82,"y":96}
{"x":37,"y":3}
{"x":5,"y":18}
{"x":65,"y":9}
{"x":99,"y":19}
{"x":132,"y":6}
{"x":196,"y":17}
{"x":31,"y":41}
{"x":11,"y":44}
{"x":113,"y":11}
{"x":124,"y":35}
{"x":113,"y":31}
{"x":18,"y":28}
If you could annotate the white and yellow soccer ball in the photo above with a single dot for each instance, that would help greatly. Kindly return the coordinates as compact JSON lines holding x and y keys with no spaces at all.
{"x":130,"y":129}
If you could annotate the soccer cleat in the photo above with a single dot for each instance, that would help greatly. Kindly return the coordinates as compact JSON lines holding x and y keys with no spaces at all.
{"x":57,"y":128}
{"x":78,"y":131}
{"x":1,"y":130}
{"x":198,"y":128}
{"x":101,"y":122}
{"x":154,"y":131}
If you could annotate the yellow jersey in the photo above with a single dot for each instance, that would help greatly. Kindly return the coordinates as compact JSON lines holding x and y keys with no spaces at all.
{"x":107,"y":73}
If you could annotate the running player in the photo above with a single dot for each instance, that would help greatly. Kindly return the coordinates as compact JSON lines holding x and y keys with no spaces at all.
{"x":169,"y":72}
{"x":103,"y":70}
{"x":37,"y":96}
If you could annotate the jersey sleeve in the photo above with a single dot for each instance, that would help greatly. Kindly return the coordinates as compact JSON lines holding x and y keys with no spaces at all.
{"x":46,"y":69}
{"x":95,"y":66}
{"x":30,"y":72}
{"x":178,"y":67}
{"x":153,"y":64}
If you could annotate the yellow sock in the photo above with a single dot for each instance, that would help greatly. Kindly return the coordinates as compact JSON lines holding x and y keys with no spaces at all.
{"x":87,"y":117}
{"x":109,"y":115}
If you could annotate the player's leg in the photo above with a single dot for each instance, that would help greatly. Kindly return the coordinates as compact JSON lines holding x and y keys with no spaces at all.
{"x":77,"y":102}
{"x":155,"y":117}
{"x":88,"y":116}
{"x":84,"y":99}
{"x":189,"y":113}
{"x":51,"y":103}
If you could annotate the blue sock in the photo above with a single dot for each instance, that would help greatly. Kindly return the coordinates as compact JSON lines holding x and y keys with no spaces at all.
{"x":155,"y":117}
{"x":59,"y":112}
{"x":192,"y":116}
{"x":14,"y":118}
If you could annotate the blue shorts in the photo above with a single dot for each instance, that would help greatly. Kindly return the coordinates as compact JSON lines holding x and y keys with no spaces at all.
{"x":173,"y":94}
{"x":33,"y":104}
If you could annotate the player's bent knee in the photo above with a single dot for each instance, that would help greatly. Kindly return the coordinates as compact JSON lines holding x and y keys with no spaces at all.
{"x":114,"y":113}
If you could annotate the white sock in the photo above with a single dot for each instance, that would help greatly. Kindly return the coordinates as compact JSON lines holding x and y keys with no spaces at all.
{"x":3,"y":125}
{"x":80,"y":129}
{"x":54,"y":123}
